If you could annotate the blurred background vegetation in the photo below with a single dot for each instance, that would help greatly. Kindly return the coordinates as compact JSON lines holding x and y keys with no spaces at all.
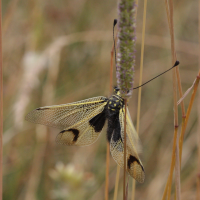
{"x":56,"y":52}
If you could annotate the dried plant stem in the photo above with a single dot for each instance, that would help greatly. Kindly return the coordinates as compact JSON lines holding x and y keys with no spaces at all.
{"x":184,"y":125}
{"x":198,"y":187}
{"x":140,"y":82}
{"x":169,"y":183}
{"x":107,"y":170}
{"x":125,"y":101}
{"x":177,"y":68}
{"x":198,"y":126}
{"x":116,"y":182}
{"x":108,"y":145}
{"x":1,"y":106}
{"x":176,"y":75}
{"x":188,"y":112}
{"x":177,"y":174}
{"x":133,"y":190}
{"x":111,"y":71}
{"x":141,"y":65}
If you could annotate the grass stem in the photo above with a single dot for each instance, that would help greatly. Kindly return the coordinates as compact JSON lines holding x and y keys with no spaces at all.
{"x":183,"y":128}
{"x":169,"y":10}
{"x":125,"y":151}
{"x":107,"y":170}
{"x":108,"y":145}
{"x":140,"y":81}
{"x":116,"y":182}
{"x":1,"y":107}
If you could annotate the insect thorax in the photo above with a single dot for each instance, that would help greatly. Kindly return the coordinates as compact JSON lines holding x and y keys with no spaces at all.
{"x":115,"y":103}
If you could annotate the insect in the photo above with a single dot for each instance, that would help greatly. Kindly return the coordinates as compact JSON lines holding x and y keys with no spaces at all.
{"x":82,"y":122}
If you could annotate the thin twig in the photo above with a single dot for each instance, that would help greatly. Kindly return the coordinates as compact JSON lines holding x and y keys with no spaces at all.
{"x":140,"y":82}
{"x":177,"y":173}
{"x":169,"y":183}
{"x":177,"y":68}
{"x":189,"y":110}
{"x":198,"y":126}
{"x":125,"y":150}
{"x":108,"y":145}
{"x":107,"y":170}
{"x":184,"y":125}
{"x":141,"y":65}
{"x":169,"y":11}
{"x":116,"y":182}
{"x":1,"y":106}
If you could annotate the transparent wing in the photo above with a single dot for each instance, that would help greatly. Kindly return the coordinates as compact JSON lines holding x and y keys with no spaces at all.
{"x":81,"y":122}
{"x":66,"y":115}
{"x":133,"y":164}
{"x":86,"y":131}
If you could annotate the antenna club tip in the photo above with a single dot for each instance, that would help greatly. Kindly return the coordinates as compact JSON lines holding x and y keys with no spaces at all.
{"x":176,"y":63}
{"x":115,"y":22}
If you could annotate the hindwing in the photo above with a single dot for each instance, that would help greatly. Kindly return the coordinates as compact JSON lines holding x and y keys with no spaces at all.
{"x":133,"y":164}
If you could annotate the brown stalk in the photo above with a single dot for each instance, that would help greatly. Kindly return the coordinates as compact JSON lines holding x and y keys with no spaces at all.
{"x":124,"y":184}
{"x":140,"y":82}
{"x":198,"y":187}
{"x":188,"y":114}
{"x":176,"y":75}
{"x":116,"y":182}
{"x":198,"y":128}
{"x":177,"y":68}
{"x":183,"y":128}
{"x":169,"y":182}
{"x":118,"y":167}
{"x":107,"y":170}
{"x":1,"y":106}
{"x":141,"y":65}
{"x":177,"y":174}
{"x":108,"y":145}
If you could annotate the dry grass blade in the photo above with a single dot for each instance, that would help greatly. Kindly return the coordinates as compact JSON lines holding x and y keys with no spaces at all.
{"x":186,"y":93}
{"x":108,"y":145}
{"x":184,"y":124}
{"x":124,"y":184}
{"x":1,"y":107}
{"x":127,"y":189}
{"x":169,"y":10}
{"x":107,"y":170}
{"x":116,"y":182}
{"x":198,"y":127}
{"x":188,"y":114}
{"x":177,"y":173}
{"x":140,"y":81}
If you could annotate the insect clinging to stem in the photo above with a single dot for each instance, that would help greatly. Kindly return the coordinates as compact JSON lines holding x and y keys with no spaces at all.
{"x":82,"y":122}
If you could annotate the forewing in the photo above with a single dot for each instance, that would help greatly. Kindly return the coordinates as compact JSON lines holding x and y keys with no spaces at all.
{"x":86,"y":131}
{"x":133,"y":164}
{"x":67,"y":115}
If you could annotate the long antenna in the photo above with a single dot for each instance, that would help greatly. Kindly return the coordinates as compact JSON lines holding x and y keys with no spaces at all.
{"x":176,"y":64}
{"x":114,"y":23}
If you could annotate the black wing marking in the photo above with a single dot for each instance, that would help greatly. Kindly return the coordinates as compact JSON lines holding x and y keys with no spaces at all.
{"x":133,"y":164}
